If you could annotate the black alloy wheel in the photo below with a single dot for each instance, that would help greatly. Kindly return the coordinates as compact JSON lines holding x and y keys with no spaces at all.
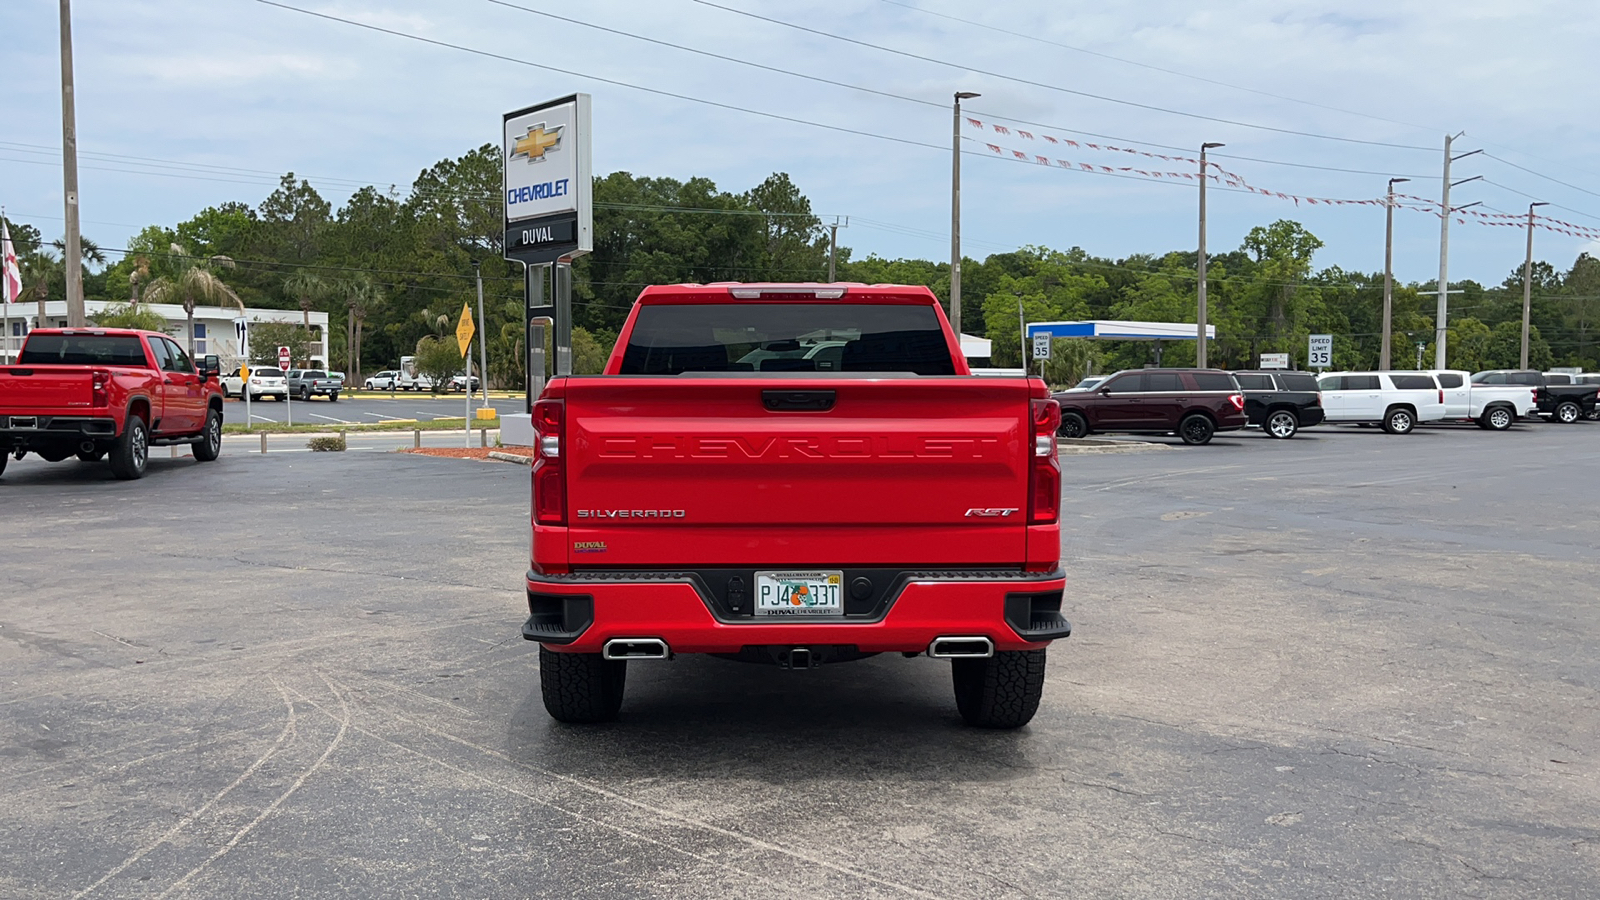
{"x":1196,"y":430}
{"x":1073,"y":425}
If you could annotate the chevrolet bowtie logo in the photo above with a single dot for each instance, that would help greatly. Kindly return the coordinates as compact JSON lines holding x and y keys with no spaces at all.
{"x":536,"y":142}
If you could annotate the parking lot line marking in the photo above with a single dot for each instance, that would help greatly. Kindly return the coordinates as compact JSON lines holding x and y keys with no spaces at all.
{"x":375,"y":415}
{"x":262,"y":418}
{"x":332,"y":419}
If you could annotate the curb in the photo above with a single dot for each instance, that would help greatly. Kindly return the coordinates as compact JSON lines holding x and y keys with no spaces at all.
{"x":511,"y":458}
{"x":1101,"y":445}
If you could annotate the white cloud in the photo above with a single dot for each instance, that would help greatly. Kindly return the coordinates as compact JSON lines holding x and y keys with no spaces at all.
{"x":261,"y":88}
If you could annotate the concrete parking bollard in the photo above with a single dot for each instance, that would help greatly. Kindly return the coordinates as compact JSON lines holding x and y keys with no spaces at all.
{"x":263,"y":442}
{"x":416,"y":438}
{"x":483,"y":437}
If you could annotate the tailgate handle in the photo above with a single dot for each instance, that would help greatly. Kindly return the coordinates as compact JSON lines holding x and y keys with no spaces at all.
{"x":797,"y":401}
{"x":20,"y":372}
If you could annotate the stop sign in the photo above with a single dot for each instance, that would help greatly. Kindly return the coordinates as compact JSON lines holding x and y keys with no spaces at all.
{"x":283,"y":358}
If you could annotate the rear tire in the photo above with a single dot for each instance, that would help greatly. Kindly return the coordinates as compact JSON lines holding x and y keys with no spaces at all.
{"x":209,"y":447}
{"x":333,"y":397}
{"x":1002,"y":691}
{"x":581,"y":688}
{"x":1073,"y":425}
{"x":1399,"y":421}
{"x":131,"y":452}
{"x":1282,"y":424}
{"x":1496,"y":419}
{"x":1568,"y":412}
{"x":1196,"y":429}
{"x":4,"y":458}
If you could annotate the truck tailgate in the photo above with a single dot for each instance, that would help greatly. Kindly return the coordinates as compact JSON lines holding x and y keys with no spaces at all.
{"x":723,"y":470}
{"x":44,"y":388}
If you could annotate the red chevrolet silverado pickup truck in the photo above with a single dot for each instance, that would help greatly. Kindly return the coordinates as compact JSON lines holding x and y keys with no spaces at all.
{"x":93,"y":392}
{"x":794,"y":474}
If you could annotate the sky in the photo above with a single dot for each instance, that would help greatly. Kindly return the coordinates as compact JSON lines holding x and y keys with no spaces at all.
{"x":183,"y":104}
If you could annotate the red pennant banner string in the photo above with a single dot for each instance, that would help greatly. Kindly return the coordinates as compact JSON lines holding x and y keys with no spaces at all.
{"x":1229,"y":179}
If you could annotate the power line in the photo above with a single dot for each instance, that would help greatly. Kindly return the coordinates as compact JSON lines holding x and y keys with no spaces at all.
{"x":1541,"y":175}
{"x":613,"y":81}
{"x":1154,"y":68}
{"x":1051,"y":87}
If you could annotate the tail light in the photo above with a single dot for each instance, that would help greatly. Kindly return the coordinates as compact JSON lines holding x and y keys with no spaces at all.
{"x":1044,"y":471}
{"x":99,"y":389}
{"x":549,"y":477}
{"x":1441,"y":395}
{"x":1237,"y":400}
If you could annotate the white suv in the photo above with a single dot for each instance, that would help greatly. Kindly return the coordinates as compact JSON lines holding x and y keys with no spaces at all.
{"x":265,"y":381}
{"x":387,"y":380}
{"x":1398,"y":401}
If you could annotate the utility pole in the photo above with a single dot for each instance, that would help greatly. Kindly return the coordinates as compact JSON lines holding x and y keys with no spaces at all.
{"x":955,"y":211}
{"x":1388,"y":273}
{"x":69,"y":176}
{"x":1442,"y":311}
{"x":833,"y":247}
{"x":483,"y":343}
{"x":1527,"y":288}
{"x":1200,"y":301}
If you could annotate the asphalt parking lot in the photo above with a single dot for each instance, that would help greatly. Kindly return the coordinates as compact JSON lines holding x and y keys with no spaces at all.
{"x":1344,"y":665}
{"x":368,"y":408}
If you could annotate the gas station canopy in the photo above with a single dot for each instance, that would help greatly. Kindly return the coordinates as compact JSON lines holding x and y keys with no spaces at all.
{"x":1111,"y":330}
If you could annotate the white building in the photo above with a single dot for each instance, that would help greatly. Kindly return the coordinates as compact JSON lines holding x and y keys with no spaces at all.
{"x":213,"y":326}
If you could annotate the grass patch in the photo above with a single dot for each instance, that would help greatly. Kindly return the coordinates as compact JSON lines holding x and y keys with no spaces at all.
{"x":333,"y":427}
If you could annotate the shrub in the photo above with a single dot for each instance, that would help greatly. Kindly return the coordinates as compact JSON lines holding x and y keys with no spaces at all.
{"x":327,"y":443}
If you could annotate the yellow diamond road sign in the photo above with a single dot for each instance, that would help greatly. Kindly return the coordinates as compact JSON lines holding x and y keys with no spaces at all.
{"x":465,"y":330}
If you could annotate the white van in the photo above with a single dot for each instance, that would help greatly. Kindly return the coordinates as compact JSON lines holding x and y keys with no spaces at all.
{"x":1398,"y":401}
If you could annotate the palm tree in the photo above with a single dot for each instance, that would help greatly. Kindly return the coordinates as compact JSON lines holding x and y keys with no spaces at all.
{"x":307,"y":287}
{"x":141,"y":272}
{"x":194,"y":282}
{"x":361,"y":298}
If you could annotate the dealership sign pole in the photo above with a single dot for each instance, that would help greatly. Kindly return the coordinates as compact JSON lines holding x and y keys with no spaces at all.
{"x":549,"y":217}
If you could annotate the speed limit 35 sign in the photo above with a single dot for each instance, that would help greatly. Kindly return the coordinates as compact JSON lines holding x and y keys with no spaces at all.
{"x":1321,"y":352}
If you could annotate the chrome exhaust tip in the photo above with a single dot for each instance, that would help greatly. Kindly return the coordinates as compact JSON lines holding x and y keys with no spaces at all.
{"x":635,"y":648}
{"x":962,"y":647}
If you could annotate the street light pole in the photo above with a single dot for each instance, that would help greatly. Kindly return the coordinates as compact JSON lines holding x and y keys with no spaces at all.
{"x":1200,"y":301}
{"x":69,"y":176}
{"x":1388,"y":273}
{"x":1527,"y":288}
{"x":955,"y":211}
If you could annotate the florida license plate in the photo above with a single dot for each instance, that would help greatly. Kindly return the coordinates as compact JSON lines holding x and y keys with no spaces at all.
{"x":799,"y":594}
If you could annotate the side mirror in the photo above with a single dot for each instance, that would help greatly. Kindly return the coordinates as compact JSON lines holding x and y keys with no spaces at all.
{"x":210,"y":365}
{"x":1105,"y":391}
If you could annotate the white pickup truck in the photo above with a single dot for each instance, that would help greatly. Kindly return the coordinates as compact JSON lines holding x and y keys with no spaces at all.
{"x":1494,"y":407}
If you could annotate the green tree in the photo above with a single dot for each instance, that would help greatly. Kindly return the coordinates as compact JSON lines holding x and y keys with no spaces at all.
{"x":439,"y":358}
{"x":126,"y":315}
{"x":195,"y":281}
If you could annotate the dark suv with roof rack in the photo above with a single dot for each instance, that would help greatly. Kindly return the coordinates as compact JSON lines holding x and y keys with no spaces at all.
{"x":1194,"y":404}
{"x":1281,"y":403}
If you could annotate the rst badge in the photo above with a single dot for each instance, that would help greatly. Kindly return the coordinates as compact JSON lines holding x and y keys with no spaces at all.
{"x":991,"y":512}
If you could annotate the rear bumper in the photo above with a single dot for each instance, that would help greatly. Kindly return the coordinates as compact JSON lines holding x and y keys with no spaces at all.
{"x":575,"y":613}
{"x":24,"y":430}
{"x":1310,"y":415}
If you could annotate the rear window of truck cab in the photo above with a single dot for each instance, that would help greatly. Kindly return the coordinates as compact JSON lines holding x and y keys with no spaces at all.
{"x":83,"y":350}
{"x":786,"y":337}
{"x":1414,"y":382}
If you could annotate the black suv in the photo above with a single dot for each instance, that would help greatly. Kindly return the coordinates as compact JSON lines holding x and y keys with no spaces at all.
{"x":1281,"y":403}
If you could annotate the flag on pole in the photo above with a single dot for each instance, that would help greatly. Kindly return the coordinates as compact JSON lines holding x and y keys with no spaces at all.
{"x":10,"y":274}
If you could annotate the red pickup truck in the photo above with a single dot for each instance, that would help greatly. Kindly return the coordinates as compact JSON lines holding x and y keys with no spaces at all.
{"x":93,"y":392}
{"x":794,"y":474}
